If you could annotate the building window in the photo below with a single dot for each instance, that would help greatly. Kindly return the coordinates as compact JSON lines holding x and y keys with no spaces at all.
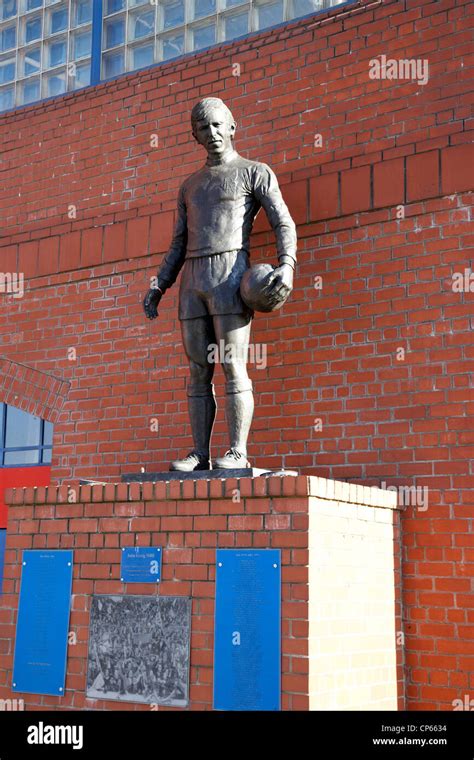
{"x":24,"y":438}
{"x":43,"y":39}
{"x":67,"y":44}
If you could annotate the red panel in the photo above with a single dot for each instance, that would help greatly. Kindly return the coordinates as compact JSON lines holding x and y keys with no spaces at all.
{"x":10,"y":477}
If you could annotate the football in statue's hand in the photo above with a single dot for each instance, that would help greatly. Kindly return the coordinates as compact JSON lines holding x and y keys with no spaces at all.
{"x":260,"y":291}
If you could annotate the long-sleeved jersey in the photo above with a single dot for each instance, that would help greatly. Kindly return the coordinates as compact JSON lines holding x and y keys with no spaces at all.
{"x":217,"y":206}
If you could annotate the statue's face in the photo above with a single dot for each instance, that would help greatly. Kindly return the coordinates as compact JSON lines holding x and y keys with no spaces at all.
{"x":215,"y":132}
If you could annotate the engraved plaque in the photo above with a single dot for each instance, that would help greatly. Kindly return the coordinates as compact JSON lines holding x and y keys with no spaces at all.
{"x":141,"y":564}
{"x":247,"y":650}
{"x":139,"y":649}
{"x":43,"y":621}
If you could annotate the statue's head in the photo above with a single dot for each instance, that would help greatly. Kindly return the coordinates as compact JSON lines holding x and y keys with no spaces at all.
{"x":213,"y":126}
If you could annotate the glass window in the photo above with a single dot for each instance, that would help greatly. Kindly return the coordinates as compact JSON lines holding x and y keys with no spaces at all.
{"x":32,"y":4}
{"x":22,"y":457}
{"x":57,"y":53}
{"x":141,"y":25}
{"x":231,"y":3}
{"x":81,"y":76}
{"x":143,"y":56}
{"x":47,"y":456}
{"x":8,"y":38}
{"x":7,"y":98}
{"x":173,"y":46}
{"x":48,"y":433}
{"x":7,"y":70}
{"x":236,"y":25}
{"x":82,"y":12}
{"x":30,"y":91}
{"x":114,"y":32}
{"x":8,"y":9}
{"x":55,"y":84}
{"x":23,"y":429}
{"x":82,"y":44}
{"x":204,"y":36}
{"x":204,"y":7}
{"x":173,"y":13}
{"x":33,"y":29}
{"x":32,"y":61}
{"x":304,"y":7}
{"x":59,"y":20}
{"x":269,"y":14}
{"x":114,"y":64}
{"x":112,"y":6}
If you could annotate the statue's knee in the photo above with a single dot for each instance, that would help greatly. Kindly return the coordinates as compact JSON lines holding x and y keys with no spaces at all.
{"x":235,"y":370}
{"x":200,"y":382}
{"x":200,"y":389}
{"x":237,"y":379}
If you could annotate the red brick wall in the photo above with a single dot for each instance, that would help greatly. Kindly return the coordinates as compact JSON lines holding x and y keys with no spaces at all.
{"x":300,"y":516}
{"x":332,"y":354}
{"x":190,"y":520}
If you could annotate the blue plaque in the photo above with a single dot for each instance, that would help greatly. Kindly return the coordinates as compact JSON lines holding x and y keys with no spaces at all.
{"x":3,"y":538}
{"x":141,"y":564}
{"x":247,"y":649}
{"x":39,"y":665}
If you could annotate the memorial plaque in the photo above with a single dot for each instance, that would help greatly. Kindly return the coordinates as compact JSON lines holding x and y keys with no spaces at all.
{"x":247,"y":651}
{"x":39,"y":665}
{"x":141,"y":564}
{"x":139,"y":649}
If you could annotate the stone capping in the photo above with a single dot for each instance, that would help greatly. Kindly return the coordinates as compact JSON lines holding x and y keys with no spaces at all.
{"x":277,"y":486}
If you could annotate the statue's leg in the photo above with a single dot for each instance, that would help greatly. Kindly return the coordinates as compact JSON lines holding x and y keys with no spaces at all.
{"x":234,"y":331}
{"x":197,"y":335}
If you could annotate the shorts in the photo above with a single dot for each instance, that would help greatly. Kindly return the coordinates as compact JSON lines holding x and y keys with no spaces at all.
{"x":210,"y":285}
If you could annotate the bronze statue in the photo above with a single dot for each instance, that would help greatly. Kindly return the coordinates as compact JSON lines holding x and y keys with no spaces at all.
{"x":217,"y":206}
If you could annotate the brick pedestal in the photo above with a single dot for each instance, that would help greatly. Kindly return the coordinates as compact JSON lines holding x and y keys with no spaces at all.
{"x":339,"y":576}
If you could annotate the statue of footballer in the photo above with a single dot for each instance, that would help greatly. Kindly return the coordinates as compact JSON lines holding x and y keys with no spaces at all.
{"x":219,"y":291}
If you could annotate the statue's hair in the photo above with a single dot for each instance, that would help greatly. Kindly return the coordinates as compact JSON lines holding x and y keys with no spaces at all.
{"x":201,"y":109}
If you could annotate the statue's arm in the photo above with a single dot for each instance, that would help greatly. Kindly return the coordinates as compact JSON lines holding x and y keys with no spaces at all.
{"x":172,"y":263}
{"x":268,"y":194}
{"x":174,"y":259}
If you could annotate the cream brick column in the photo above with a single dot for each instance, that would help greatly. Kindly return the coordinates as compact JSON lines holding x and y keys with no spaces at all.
{"x":352,"y":636}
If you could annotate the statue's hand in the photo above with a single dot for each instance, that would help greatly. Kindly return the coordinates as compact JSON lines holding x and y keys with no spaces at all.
{"x":279,"y":284}
{"x":151,"y":301}
{"x":282,"y":280}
